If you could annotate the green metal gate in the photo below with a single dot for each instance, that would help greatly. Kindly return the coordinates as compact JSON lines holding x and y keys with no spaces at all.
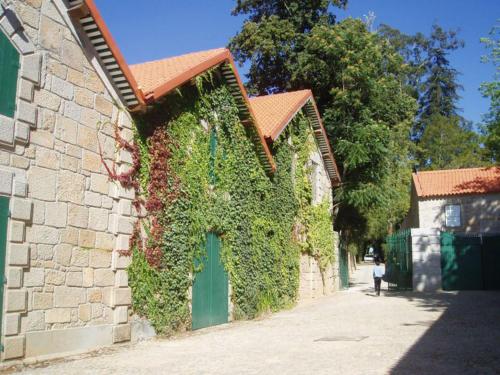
{"x":470,"y":262}
{"x":398,"y":260}
{"x":4,"y":217}
{"x":210,"y":288}
{"x":460,"y":262}
{"x":343,"y":266}
{"x":490,"y":251}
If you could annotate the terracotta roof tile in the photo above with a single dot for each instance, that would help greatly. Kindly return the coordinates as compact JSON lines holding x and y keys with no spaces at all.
{"x":158,"y":78}
{"x":274,"y":112}
{"x":152,"y":75}
{"x":457,"y":182}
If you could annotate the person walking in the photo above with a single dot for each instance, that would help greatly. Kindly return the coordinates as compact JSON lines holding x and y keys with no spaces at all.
{"x":378,"y":273}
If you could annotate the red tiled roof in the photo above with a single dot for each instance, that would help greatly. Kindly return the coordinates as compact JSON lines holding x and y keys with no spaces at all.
{"x":457,"y":182}
{"x":274,"y":113}
{"x":156,"y":78}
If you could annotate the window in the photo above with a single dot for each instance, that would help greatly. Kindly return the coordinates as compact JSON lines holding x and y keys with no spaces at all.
{"x":9,"y":67}
{"x":452,"y":215}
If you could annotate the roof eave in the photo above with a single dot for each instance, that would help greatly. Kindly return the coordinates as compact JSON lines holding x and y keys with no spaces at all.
{"x":88,"y":7}
{"x":335,"y":176}
{"x":263,"y":141}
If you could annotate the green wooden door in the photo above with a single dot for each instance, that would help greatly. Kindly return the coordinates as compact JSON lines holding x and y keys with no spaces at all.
{"x":461,"y":262}
{"x":9,"y":67}
{"x":4,"y":217}
{"x":210,"y":288}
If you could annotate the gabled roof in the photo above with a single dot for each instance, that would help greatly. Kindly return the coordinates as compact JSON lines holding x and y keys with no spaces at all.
{"x":457,"y":182}
{"x":86,"y":14}
{"x":141,"y":84}
{"x":158,"y":78}
{"x":274,"y":113}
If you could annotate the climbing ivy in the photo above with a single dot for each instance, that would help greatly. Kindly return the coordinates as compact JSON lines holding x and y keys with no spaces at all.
{"x":265,"y":222}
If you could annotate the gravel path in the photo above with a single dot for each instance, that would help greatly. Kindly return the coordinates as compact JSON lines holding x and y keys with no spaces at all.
{"x":351,"y":332}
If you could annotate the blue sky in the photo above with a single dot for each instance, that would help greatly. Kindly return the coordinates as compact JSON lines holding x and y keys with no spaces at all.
{"x":161,"y":28}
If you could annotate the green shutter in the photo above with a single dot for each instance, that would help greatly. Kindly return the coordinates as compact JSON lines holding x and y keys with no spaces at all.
{"x":9,"y":68}
{"x":4,"y":217}
{"x":213,"y":153}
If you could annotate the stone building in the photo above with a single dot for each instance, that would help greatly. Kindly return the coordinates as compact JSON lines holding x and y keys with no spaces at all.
{"x":269,"y":115}
{"x":273,"y":114}
{"x":456,"y":200}
{"x":66,"y":92}
{"x":66,"y":285}
{"x":462,"y":201}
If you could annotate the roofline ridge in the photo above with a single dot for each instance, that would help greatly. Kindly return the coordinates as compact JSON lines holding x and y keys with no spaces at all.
{"x":279,"y":93}
{"x":222,"y":49}
{"x":457,"y":169}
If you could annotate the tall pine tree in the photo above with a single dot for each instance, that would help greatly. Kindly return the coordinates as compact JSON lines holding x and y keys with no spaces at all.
{"x":491,"y":90}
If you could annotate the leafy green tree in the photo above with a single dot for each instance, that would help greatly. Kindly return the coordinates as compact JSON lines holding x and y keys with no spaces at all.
{"x":492,"y":90}
{"x":447,"y":143}
{"x":273,"y":36}
{"x":359,"y":81}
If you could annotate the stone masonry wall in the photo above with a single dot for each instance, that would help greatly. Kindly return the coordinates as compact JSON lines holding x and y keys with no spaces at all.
{"x":479,"y":213}
{"x":67,"y":288}
{"x":312,"y":283}
{"x":426,"y":259}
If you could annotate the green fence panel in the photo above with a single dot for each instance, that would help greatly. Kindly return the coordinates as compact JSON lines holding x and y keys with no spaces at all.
{"x":398,"y":260}
{"x":461,"y":262}
{"x":343,"y":266}
{"x":491,"y":262}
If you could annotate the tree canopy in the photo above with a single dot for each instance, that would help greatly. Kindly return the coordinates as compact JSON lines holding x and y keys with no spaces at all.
{"x":433,"y":80}
{"x":388,"y":100}
{"x":449,"y":143}
{"x":273,"y":35}
{"x":491,"y":90}
{"x":359,"y":82}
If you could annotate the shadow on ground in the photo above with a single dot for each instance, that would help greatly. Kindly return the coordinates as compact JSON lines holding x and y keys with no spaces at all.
{"x":464,"y":340}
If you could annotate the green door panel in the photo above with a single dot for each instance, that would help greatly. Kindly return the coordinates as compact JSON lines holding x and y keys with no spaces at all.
{"x":210,"y":288}
{"x":491,"y":262}
{"x":219,"y":282}
{"x":4,"y":217}
{"x":9,"y":68}
{"x":461,"y":262}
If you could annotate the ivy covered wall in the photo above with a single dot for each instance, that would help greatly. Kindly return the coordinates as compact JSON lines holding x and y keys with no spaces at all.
{"x":199,"y":173}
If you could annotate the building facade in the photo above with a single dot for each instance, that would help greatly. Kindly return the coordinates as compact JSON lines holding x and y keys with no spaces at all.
{"x":68,"y":104}
{"x":66,"y":285}
{"x":459,"y":200}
